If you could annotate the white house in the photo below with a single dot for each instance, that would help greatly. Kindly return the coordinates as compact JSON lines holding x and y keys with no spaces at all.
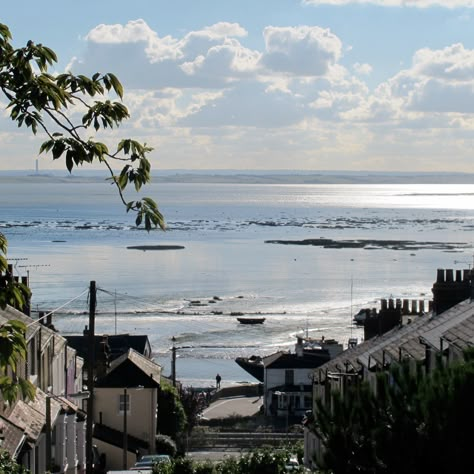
{"x":288,"y":380}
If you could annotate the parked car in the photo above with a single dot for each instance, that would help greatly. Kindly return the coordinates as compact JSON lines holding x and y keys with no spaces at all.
{"x":292,"y":465}
{"x":149,"y":460}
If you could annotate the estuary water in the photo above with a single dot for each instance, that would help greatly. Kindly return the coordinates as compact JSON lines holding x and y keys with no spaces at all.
{"x":65,"y":233}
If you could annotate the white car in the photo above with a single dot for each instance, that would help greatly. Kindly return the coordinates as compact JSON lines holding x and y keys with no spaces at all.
{"x":292,"y":465}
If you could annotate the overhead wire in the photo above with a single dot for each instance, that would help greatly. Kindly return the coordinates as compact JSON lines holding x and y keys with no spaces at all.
{"x":58,"y":308}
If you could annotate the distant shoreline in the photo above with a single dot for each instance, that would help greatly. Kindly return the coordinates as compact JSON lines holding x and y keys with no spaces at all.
{"x":248,"y":177}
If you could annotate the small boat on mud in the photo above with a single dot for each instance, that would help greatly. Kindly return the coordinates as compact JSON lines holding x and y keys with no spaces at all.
{"x":251,"y":320}
{"x":253,"y":365}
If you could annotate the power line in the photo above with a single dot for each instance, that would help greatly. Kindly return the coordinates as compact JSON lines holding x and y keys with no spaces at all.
{"x":60,"y":307}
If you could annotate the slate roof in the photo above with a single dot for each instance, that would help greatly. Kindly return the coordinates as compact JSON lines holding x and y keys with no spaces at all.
{"x":285,"y":360}
{"x":118,"y":344}
{"x":456,"y":325}
{"x":31,"y":416}
{"x":131,"y":370}
{"x":32,"y":327}
{"x":11,"y":313}
{"x":13,"y":437}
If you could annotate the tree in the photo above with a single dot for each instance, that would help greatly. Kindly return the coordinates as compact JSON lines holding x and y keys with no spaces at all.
{"x":411,"y":423}
{"x":47,"y":103}
{"x":172,"y":419}
{"x":42,"y":101}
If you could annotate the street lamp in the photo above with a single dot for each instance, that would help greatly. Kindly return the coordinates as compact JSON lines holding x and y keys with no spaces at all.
{"x":284,"y":394}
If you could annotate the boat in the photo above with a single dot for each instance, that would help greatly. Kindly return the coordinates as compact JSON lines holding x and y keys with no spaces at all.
{"x":253,"y":365}
{"x":251,"y":320}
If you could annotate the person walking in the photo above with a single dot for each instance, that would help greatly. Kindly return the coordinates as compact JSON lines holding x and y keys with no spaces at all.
{"x":218,"y":381}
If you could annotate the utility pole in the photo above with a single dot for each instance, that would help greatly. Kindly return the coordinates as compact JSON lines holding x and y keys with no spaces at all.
{"x":48,"y":432}
{"x":90,"y":378}
{"x":125,"y":430}
{"x":173,"y":362}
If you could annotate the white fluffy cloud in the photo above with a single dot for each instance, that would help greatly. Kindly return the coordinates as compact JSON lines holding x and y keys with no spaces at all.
{"x":300,"y":51}
{"x":440,"y":81}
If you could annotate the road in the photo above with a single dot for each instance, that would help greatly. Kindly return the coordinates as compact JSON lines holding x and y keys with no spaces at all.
{"x":225,"y":407}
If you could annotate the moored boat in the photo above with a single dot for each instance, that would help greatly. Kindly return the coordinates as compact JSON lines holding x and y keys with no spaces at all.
{"x":253,"y":365}
{"x":251,"y":320}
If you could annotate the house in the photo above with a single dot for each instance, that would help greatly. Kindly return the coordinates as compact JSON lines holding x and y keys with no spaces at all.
{"x":446,"y":331}
{"x":287,"y":379}
{"x":52,"y":419}
{"x":126,"y":409}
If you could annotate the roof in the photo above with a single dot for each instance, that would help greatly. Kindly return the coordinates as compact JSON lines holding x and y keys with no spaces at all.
{"x":455,"y":325}
{"x":11,"y":313}
{"x":118,"y":344}
{"x":131,"y":370}
{"x":32,"y":327}
{"x":286,"y":360}
{"x":31,"y":416}
{"x":13,"y":437}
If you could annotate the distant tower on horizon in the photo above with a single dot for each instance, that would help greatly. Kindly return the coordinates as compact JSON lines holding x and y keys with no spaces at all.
{"x":37,"y":166}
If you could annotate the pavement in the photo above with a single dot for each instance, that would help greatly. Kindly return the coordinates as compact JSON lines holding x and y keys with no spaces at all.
{"x":225,"y":407}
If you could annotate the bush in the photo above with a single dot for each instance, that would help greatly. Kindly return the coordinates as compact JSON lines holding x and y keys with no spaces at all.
{"x":205,"y":468}
{"x":165,"y":445}
{"x":183,"y":466}
{"x":9,"y":466}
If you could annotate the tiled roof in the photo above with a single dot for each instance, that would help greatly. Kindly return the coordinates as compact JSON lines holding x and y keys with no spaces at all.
{"x":13,"y":437}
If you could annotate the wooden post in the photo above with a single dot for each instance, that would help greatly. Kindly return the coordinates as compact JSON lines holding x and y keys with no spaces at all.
{"x":125,"y":431}
{"x":90,"y":379}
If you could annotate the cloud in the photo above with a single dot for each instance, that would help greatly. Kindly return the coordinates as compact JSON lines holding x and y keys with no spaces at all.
{"x":362,"y":69}
{"x":439,"y":81}
{"x":397,"y":3}
{"x":206,"y":58}
{"x":294,"y":102}
{"x":300,"y":51}
{"x":453,"y":62}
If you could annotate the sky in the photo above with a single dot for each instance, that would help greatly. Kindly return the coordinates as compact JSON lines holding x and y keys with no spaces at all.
{"x":268,"y":84}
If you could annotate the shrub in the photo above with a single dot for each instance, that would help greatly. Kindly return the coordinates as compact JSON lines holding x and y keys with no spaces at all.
{"x":183,"y":466}
{"x":205,"y":468}
{"x":165,"y":445}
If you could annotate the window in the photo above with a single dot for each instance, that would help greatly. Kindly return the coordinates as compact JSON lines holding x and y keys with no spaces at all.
{"x":289,"y":377}
{"x":124,"y":402}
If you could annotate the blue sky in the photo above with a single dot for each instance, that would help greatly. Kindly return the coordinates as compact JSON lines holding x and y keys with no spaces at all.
{"x":270,"y":84}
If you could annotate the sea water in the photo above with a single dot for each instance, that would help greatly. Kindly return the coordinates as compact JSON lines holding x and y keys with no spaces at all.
{"x":63,"y":235}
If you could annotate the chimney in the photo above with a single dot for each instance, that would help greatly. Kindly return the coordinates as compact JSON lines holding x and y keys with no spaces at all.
{"x":299,"y":346}
{"x":448,"y":292}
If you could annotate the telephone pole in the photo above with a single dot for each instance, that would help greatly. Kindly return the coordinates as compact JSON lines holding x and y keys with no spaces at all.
{"x":90,"y":377}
